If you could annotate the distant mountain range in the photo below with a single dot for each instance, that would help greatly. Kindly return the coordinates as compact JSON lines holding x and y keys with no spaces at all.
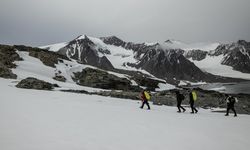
{"x":171,"y":60}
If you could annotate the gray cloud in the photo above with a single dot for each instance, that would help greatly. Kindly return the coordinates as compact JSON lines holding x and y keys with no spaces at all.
{"x":42,"y":22}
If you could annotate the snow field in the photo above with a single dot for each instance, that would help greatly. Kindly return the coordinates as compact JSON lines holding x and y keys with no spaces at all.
{"x":33,"y":119}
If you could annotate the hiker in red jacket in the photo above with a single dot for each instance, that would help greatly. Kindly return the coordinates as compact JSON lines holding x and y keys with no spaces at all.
{"x":144,"y":99}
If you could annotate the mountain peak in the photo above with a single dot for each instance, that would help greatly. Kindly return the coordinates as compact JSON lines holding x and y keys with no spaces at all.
{"x":172,"y":41}
{"x":113,"y":40}
{"x":242,"y":42}
{"x":169,"y":41}
{"x":113,"y":37}
{"x":151,"y":43}
{"x":83,"y":36}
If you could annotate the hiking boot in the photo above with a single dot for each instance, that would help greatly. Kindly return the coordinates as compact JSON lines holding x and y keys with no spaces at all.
{"x":226,"y":114}
{"x":235,"y":115}
{"x":179,"y":111}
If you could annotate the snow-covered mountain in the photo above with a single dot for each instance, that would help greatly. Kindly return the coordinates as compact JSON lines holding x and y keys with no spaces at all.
{"x":236,"y":55}
{"x":163,"y":60}
{"x":231,"y":60}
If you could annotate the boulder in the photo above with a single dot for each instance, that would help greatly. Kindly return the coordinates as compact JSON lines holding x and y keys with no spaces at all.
{"x":101,"y":79}
{"x":33,"y":83}
{"x":59,"y":78}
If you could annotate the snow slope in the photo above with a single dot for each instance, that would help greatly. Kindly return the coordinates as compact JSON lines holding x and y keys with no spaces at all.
{"x":53,"y":120}
{"x":33,"y":67}
{"x":212,"y":64}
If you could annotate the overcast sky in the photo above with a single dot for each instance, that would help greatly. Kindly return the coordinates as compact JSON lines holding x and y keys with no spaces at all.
{"x":42,"y":22}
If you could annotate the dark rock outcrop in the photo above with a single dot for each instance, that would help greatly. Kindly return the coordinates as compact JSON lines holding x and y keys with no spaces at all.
{"x":33,"y":83}
{"x":101,"y":79}
{"x":196,"y":54}
{"x":7,"y":57}
{"x":6,"y":72}
{"x":141,"y":79}
{"x":59,"y":78}
{"x":149,"y":83}
{"x":113,"y":40}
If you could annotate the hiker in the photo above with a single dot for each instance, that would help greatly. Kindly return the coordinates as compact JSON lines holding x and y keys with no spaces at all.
{"x":145,"y":97}
{"x":192,"y":98}
{"x":179,"y":97}
{"x":230,"y":104}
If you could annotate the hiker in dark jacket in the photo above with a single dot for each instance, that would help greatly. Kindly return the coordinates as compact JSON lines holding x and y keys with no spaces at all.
{"x":230,"y":104}
{"x":179,"y":97}
{"x":144,"y":100}
{"x":191,"y":102}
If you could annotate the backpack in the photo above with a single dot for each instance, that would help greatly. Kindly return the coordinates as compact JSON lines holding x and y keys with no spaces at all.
{"x":182,"y":97}
{"x":147,"y":95}
{"x":194,"y":95}
{"x":231,"y":100}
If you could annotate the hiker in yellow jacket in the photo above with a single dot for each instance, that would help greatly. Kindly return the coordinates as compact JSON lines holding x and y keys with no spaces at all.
{"x":192,"y":99}
{"x":145,"y":97}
